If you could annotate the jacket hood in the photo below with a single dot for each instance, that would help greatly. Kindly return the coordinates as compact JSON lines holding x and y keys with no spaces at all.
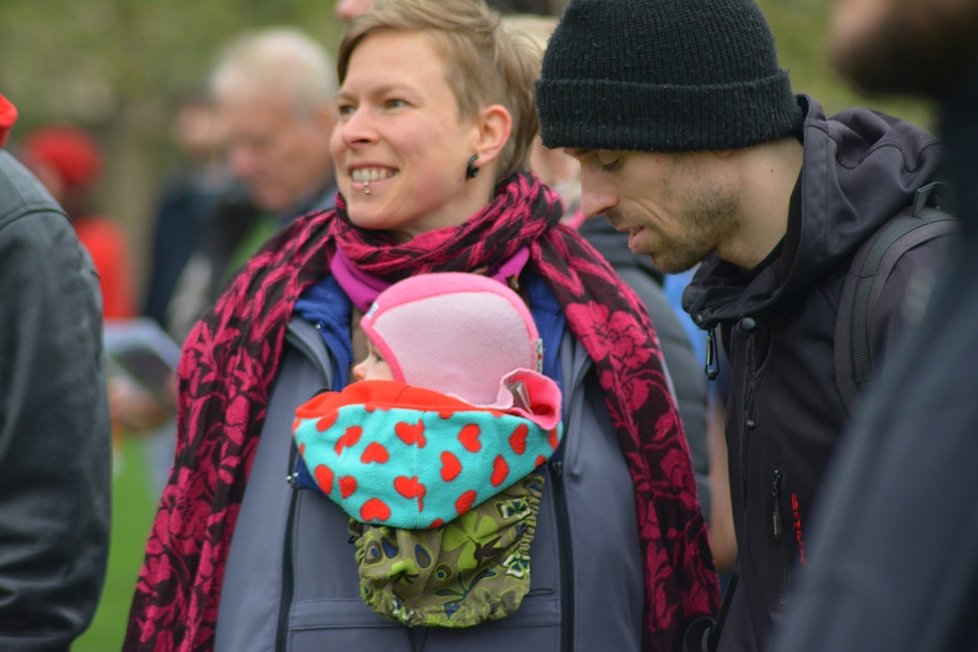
{"x":860,"y":168}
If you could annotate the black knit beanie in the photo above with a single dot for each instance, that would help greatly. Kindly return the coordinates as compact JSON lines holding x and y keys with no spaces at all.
{"x":663,"y":75}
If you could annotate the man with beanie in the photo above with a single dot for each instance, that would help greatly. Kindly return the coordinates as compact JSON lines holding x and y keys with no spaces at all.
{"x":894,"y":564}
{"x":691,"y":140}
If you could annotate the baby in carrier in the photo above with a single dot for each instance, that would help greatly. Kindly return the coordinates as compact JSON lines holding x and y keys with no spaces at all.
{"x":434,"y":451}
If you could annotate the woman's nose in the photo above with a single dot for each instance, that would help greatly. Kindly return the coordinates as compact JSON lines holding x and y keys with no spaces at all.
{"x":356,"y":128}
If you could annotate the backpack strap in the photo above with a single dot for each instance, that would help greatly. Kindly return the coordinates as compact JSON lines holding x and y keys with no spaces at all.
{"x":875,"y":259}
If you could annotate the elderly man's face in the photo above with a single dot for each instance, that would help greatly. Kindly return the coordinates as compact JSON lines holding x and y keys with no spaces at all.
{"x":923,"y":47}
{"x":282,"y":157}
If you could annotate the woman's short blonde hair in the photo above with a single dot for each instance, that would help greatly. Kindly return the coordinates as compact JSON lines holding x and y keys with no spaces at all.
{"x":485,"y":62}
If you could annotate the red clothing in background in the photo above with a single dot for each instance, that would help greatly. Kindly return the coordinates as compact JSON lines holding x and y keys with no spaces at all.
{"x":106,"y":243}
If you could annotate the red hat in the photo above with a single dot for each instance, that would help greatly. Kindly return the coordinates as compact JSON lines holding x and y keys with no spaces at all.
{"x":74,"y":154}
{"x":8,"y":116}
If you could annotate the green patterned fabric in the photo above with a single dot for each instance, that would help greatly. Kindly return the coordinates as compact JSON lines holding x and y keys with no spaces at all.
{"x":472,"y":569}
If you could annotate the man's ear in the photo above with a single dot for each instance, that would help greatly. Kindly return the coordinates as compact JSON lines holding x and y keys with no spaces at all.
{"x":493,"y":127}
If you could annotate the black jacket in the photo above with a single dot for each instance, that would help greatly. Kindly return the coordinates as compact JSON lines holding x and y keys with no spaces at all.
{"x":785,"y":414}
{"x":55,"y":473}
{"x":895,"y":564}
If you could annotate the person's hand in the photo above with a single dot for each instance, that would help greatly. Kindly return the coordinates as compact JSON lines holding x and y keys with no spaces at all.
{"x":135,"y":410}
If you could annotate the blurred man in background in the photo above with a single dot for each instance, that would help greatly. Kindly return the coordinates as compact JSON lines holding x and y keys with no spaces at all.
{"x":275,"y":91}
{"x":187,"y":197}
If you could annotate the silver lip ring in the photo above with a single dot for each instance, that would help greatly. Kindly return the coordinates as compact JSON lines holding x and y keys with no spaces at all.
{"x":366,"y":187}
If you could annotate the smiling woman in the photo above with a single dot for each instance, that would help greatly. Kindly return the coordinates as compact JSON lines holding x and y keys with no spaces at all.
{"x":400,"y":131}
{"x":436,"y":119}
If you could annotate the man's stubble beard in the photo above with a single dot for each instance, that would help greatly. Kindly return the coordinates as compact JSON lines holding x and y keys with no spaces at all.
{"x":710,"y":221}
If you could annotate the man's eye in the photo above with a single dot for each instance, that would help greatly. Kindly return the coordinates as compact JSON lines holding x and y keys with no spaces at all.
{"x":395,"y":103}
{"x":346,"y":109}
{"x":611,"y":165}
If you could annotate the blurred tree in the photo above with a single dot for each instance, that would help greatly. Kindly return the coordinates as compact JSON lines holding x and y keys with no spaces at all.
{"x":119,"y":67}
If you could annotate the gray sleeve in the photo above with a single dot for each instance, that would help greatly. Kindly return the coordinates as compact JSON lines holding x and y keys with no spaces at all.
{"x":55,"y":475}
{"x":685,"y":372}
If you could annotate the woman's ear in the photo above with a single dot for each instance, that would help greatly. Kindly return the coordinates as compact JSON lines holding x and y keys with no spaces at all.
{"x":494,"y":125}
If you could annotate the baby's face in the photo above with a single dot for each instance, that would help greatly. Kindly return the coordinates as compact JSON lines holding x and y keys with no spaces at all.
{"x":373,"y":367}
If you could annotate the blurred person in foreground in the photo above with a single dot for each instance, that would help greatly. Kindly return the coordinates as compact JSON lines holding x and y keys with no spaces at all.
{"x":275,"y":94}
{"x":55,"y":473}
{"x":68,"y":161}
{"x":894,"y":561}
{"x":691,"y":141}
{"x":436,"y":119}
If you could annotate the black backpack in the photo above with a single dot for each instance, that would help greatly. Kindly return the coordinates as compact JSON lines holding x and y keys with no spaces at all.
{"x":924,"y":220}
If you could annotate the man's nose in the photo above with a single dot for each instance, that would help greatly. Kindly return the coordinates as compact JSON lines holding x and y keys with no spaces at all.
{"x":596,"y":198}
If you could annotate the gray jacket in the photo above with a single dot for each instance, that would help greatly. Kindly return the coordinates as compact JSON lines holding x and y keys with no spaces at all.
{"x":291,"y":580}
{"x":55,"y":472}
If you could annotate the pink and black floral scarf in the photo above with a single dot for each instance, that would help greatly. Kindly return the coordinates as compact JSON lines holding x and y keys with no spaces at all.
{"x":232,"y":355}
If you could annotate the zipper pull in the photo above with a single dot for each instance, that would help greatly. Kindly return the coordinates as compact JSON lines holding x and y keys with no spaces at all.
{"x":776,"y":516}
{"x":712,"y":367}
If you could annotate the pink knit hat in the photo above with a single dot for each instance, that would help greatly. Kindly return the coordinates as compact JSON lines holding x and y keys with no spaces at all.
{"x":455,"y":333}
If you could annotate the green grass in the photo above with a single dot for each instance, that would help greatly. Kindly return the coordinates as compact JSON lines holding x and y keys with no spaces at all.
{"x":133,"y":508}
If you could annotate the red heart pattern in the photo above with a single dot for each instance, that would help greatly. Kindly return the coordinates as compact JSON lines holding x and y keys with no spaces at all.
{"x":464,"y":502}
{"x":469,"y":436}
{"x":375,"y":510}
{"x":450,"y":466}
{"x":517,"y":440}
{"x":348,"y":486}
{"x":411,"y":488}
{"x":507,"y":458}
{"x":324,"y":478}
{"x":500,"y":471}
{"x":326,"y":422}
{"x":412,"y":435}
{"x":553,"y":439}
{"x":349,"y":439}
{"x":375,"y":453}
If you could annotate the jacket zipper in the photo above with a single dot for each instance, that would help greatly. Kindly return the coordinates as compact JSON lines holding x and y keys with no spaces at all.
{"x":562,"y":515}
{"x":288,"y":582}
{"x":565,"y":554}
{"x":749,"y":326}
{"x":777,"y":522}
